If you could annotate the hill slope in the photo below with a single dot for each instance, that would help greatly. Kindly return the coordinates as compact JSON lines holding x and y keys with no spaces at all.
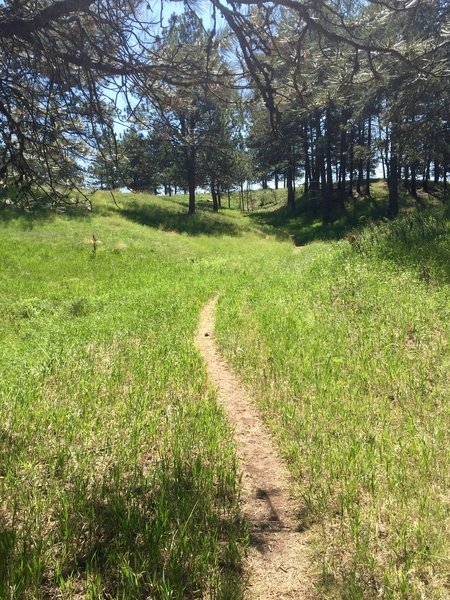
{"x":118,"y":471}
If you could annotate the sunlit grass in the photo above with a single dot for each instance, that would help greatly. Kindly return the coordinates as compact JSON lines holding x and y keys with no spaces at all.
{"x":118,"y":475}
{"x":346,"y":346}
{"x":117,"y":469}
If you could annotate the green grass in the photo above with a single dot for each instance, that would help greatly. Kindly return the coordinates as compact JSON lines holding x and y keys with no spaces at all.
{"x":346,"y":345}
{"x":117,"y":469}
{"x":118,"y":476}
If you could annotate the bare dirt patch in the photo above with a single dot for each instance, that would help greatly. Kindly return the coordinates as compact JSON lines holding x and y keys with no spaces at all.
{"x":277,"y":562}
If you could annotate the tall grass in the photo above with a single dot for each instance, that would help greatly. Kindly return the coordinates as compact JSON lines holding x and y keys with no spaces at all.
{"x":418,"y":241}
{"x":346,"y":345}
{"x":118,"y":476}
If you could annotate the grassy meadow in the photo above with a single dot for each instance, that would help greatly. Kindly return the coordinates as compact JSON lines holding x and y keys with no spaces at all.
{"x":118,"y":476}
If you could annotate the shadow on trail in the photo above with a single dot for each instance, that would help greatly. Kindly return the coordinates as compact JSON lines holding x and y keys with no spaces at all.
{"x":201,"y":223}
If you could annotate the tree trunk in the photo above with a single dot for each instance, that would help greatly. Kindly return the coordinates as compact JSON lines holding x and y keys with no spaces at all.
{"x":307,"y":163}
{"x":406,"y":177}
{"x":437,"y":171}
{"x":190,"y":169}
{"x":426,"y":176}
{"x":360,"y":160}
{"x":214,"y":196}
{"x":329,"y":184}
{"x":351,"y":167}
{"x":219,"y":195}
{"x":343,"y":157}
{"x":328,"y":188}
{"x":321,"y":174}
{"x":369,"y":161}
{"x":413,"y":183}
{"x":290,"y":187}
{"x":380,"y":139}
{"x":393,"y":177}
{"x":386,"y":153}
{"x":315,"y":158}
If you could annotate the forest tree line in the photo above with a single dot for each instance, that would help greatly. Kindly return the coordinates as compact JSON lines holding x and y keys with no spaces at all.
{"x":255,"y":92}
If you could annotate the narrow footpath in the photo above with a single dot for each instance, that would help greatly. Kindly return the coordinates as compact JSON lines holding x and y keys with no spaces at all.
{"x":277,"y":560}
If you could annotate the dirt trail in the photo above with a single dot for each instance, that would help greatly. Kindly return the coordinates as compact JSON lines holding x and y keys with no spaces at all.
{"x":277,"y":560}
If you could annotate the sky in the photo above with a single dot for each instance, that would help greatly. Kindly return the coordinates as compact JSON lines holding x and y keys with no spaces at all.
{"x":160,"y":11}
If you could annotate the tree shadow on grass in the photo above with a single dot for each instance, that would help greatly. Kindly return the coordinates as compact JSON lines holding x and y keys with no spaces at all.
{"x":304,"y":224}
{"x":132,"y":550}
{"x":201,"y":223}
{"x":417,"y":240}
{"x":152,"y":528}
{"x":348,"y":215}
{"x":28,"y":219}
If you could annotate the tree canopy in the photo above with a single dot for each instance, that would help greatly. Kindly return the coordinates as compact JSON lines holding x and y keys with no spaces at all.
{"x":341,"y":85}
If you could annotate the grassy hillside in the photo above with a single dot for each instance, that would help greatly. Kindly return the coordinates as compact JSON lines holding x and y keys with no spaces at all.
{"x":115,"y":460}
{"x":347,"y":349}
{"x":117,"y":469}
